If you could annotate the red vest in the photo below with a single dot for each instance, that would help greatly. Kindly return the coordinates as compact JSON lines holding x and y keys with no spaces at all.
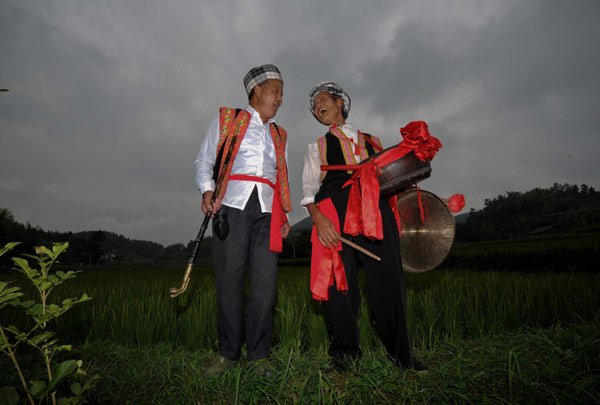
{"x":231,"y":127}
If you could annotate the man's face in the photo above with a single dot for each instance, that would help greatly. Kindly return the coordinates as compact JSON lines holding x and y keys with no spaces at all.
{"x":328,"y":109}
{"x":268,"y":97}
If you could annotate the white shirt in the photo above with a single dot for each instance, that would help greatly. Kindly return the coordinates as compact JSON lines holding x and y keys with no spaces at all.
{"x":311,"y":174}
{"x":256,"y":157}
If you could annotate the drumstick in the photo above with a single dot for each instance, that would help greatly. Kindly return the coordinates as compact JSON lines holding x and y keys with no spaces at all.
{"x":361,"y":249}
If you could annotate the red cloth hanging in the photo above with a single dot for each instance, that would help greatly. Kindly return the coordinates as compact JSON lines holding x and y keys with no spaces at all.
{"x":326,"y":263}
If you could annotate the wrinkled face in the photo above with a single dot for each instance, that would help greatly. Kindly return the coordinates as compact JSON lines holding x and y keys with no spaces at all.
{"x":267,"y":98}
{"x":328,"y":109}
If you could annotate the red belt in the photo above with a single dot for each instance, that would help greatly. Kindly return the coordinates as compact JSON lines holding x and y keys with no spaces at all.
{"x":278,"y":216}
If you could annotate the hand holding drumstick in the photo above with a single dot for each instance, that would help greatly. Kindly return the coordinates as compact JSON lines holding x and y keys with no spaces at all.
{"x":360,"y":249}
{"x":328,"y":235}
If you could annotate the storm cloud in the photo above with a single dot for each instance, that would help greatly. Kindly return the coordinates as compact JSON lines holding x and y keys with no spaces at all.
{"x":108,"y":102}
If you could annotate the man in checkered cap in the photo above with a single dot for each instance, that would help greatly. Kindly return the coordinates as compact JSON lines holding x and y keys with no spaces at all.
{"x":243,"y":159}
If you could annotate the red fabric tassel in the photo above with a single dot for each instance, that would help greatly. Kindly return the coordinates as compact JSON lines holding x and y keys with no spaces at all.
{"x":353,"y":220}
{"x":456,"y":203}
{"x":278,"y":218}
{"x":363,"y":215}
{"x":420,"y":201}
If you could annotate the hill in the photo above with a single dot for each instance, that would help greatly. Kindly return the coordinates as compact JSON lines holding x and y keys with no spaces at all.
{"x":86,"y":247}
{"x":558,"y":209}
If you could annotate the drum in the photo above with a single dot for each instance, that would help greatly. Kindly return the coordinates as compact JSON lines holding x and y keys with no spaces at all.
{"x":396,"y":176}
{"x":424,"y":244}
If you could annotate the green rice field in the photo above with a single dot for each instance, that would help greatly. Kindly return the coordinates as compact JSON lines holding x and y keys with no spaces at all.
{"x":488,"y":336}
{"x":134,"y":308}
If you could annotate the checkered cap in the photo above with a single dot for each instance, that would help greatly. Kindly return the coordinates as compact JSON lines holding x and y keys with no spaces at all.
{"x":335,"y":90}
{"x":260,"y":74}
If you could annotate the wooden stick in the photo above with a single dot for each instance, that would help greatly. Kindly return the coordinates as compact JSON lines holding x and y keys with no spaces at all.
{"x":361,"y":249}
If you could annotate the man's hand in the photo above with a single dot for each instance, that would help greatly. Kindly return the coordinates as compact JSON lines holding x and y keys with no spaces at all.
{"x":285,"y":230}
{"x":208,"y":206}
{"x":326,"y":232}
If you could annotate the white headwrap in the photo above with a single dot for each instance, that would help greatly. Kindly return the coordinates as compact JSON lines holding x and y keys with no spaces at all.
{"x":335,"y":90}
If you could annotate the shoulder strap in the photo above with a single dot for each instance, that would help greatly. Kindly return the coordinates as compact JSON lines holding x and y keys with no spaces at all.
{"x":345,"y":143}
{"x":230,"y":148}
{"x":373,"y":140}
{"x":226,"y":118}
{"x":322,"y":144}
{"x":279,"y":135}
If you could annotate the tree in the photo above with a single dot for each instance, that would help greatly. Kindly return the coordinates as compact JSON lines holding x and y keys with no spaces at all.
{"x":561,"y":206}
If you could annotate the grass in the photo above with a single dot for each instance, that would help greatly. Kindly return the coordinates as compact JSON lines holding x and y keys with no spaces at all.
{"x":134,"y":308}
{"x":528,"y":365}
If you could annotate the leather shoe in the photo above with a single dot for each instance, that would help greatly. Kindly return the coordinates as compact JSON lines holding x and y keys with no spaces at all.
{"x":419,"y":367}
{"x":337,"y":365}
{"x":218,"y":367}
{"x":263,"y":367}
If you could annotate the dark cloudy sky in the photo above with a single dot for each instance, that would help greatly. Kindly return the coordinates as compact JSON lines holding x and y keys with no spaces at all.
{"x":110,"y":100}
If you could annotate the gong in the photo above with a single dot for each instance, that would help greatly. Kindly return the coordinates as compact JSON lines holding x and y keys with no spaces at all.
{"x":424,"y":242}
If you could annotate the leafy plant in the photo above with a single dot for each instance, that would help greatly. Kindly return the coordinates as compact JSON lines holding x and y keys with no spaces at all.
{"x":38,"y":337}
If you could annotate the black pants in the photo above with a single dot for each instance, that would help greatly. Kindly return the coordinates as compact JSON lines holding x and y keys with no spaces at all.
{"x":247,"y":245}
{"x":386,"y":285}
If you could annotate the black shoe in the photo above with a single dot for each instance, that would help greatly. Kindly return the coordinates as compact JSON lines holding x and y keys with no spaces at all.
{"x":418,"y":366}
{"x":336,"y":365}
{"x":220,"y":364}
{"x":263,"y":367}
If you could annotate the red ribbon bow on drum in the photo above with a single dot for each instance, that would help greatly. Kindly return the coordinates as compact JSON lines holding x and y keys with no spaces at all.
{"x":363,"y":215}
{"x":418,"y":139}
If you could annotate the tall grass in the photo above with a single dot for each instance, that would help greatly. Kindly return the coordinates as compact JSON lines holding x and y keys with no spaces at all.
{"x":470,"y":304}
{"x":134,"y":308}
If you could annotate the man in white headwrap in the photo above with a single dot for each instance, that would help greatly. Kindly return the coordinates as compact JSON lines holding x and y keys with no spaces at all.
{"x":244,"y":157}
{"x":334,"y":267}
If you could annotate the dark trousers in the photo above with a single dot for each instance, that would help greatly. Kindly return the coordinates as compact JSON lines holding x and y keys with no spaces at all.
{"x":386,"y":285}
{"x":247,"y":245}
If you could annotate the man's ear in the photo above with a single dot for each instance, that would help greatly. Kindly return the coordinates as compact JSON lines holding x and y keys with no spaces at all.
{"x":340,"y":103}
{"x":257,"y":92}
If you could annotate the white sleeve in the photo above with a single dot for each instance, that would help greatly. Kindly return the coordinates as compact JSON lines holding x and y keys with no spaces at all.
{"x":206,"y":158}
{"x":311,"y":174}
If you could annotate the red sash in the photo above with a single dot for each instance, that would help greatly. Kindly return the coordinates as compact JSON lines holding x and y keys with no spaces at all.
{"x":326,"y":263}
{"x":278,"y":216}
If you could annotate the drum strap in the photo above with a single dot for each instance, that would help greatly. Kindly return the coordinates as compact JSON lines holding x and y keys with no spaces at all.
{"x":374,"y":144}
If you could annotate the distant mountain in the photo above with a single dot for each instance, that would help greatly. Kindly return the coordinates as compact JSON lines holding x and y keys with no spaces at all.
{"x":306,"y":223}
{"x":130,"y":249}
{"x":461,"y":218}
